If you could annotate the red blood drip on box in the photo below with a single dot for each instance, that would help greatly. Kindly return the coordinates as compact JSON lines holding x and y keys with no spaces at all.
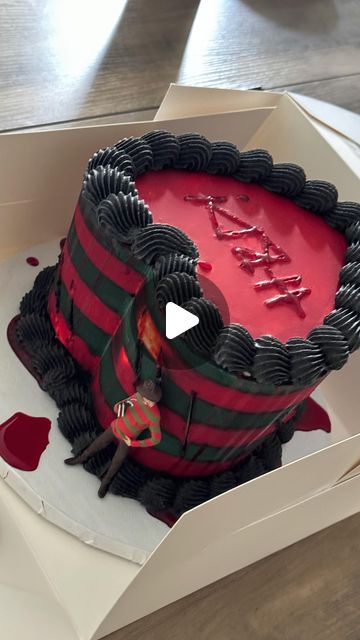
{"x":205,"y":266}
{"x":32,"y":261}
{"x":23,"y":439}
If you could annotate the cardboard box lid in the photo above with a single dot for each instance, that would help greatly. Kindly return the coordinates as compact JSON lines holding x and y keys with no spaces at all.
{"x":38,"y":190}
{"x":181,"y":101}
{"x":341,"y":128}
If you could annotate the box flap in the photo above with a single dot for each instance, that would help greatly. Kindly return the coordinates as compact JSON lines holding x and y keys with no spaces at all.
{"x":181,"y":101}
{"x":47,"y":196}
{"x":184,"y":101}
{"x":181,"y":564}
{"x":24,"y":573}
{"x":29,"y":615}
{"x":341,"y":120}
{"x":291,"y":137}
{"x":87,"y":582}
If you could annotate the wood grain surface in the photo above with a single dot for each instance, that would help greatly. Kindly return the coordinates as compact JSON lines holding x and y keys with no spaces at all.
{"x":76,"y":62}
{"x":309,"y":591}
{"x":67,"y":60}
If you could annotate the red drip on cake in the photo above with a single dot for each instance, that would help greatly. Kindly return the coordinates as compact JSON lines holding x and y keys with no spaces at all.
{"x":268,"y":256}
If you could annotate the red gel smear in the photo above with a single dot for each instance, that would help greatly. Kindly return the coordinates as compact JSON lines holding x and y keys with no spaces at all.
{"x":23,"y":439}
{"x":164,"y":516}
{"x":32,"y":261}
{"x":205,"y":266}
{"x":314,"y":417}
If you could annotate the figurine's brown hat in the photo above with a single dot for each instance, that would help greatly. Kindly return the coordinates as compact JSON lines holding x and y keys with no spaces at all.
{"x":150,"y":390}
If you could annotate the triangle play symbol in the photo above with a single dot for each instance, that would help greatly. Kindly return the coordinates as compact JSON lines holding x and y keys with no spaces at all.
{"x":178,"y":320}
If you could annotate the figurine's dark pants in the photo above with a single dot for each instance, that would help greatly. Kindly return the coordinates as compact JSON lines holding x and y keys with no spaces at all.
{"x":100,"y":443}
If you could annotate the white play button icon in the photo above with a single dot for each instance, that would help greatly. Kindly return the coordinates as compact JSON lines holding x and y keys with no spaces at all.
{"x":178,"y":320}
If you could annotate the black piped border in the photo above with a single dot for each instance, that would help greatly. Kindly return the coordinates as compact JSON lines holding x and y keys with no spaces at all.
{"x":111,"y":176}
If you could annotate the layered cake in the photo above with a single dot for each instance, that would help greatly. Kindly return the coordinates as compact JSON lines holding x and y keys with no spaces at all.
{"x":267,"y":260}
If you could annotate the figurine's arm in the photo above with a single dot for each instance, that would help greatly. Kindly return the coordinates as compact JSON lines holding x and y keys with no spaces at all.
{"x":153,"y":440}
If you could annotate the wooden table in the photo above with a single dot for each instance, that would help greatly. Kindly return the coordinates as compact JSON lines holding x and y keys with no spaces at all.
{"x":73,"y":62}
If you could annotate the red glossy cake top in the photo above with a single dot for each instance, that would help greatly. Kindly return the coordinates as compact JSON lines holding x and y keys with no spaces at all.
{"x":276,"y":264}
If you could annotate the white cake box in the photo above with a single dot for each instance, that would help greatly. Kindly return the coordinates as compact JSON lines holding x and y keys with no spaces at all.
{"x":51,"y":583}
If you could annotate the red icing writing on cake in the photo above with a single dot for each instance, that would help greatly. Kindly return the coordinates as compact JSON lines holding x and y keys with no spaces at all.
{"x":267,"y":255}
{"x":286,"y":295}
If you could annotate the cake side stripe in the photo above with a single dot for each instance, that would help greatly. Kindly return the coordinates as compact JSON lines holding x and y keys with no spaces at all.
{"x":281,"y":396}
{"x":253,"y":402}
{"x":114,"y":297}
{"x":81,"y":325}
{"x":158,"y":460}
{"x":104,"y":412}
{"x":169,"y":443}
{"x":176,"y":399}
{"x":74,"y":344}
{"x":85,"y":329}
{"x":86,"y":299}
{"x":113,"y":267}
{"x":221,"y":418}
{"x":184,"y":467}
{"x":250,"y":394}
{"x":200,"y":433}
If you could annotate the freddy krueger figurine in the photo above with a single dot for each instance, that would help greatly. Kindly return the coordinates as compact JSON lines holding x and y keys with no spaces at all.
{"x":134,"y":415}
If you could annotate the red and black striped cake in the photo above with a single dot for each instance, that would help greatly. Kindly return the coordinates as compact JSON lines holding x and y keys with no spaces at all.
{"x":166,"y":218}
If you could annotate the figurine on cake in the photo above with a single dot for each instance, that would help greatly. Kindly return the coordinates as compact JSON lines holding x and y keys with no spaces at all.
{"x":135,"y":415}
